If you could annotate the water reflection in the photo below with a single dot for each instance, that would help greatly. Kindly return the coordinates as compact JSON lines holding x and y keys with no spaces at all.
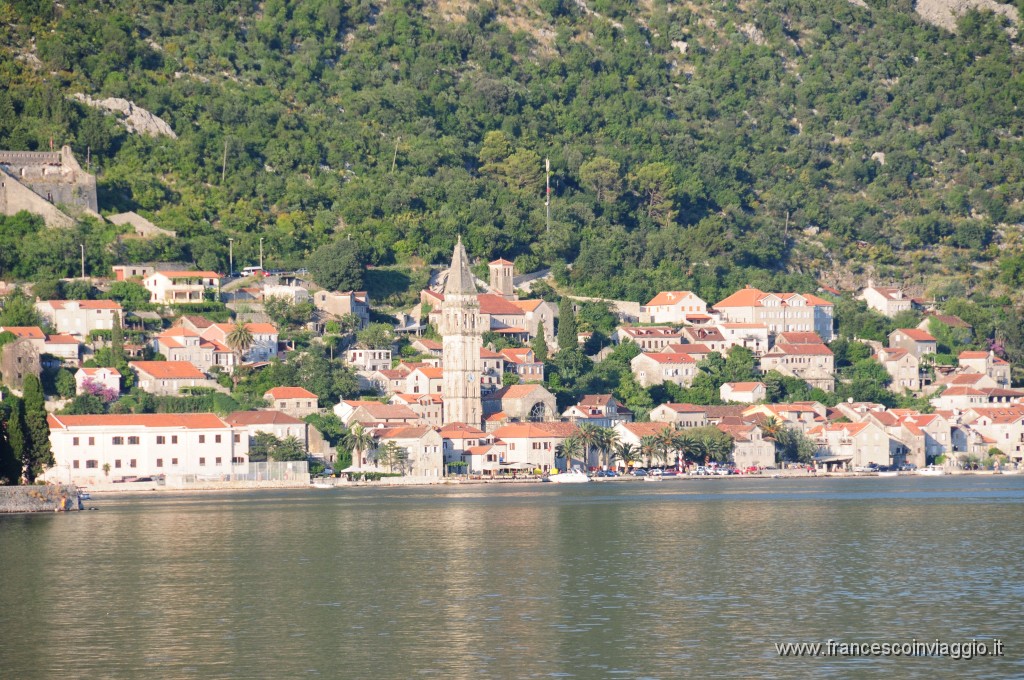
{"x":680,"y":579}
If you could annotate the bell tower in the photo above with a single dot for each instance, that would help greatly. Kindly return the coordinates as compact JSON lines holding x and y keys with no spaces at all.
{"x":462,"y":332}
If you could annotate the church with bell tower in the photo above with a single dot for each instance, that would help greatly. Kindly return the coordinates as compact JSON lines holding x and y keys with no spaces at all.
{"x":461,"y":327}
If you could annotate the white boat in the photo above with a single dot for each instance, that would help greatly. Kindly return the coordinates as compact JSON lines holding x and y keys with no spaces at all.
{"x":931,"y":470}
{"x":888,"y":473}
{"x":574,"y":476}
{"x":322,"y":485}
{"x":652,"y":478}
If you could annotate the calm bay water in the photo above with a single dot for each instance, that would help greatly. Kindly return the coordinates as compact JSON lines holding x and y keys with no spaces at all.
{"x":688,"y":578}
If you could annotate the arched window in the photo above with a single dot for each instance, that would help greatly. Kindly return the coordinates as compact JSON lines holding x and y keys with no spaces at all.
{"x":538,"y":412}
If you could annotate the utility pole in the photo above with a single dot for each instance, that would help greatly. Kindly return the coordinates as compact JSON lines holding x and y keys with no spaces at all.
{"x":394,"y":159}
{"x":547,"y":195}
{"x":261,"y":252}
{"x":82,"y":246}
{"x":224,"y":162}
{"x":231,"y":256}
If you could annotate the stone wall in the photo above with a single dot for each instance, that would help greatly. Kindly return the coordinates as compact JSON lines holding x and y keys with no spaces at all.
{"x":40,"y":181}
{"x":39,"y":498}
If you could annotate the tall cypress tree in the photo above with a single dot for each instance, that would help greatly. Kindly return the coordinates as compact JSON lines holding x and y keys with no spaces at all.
{"x":10,"y":467}
{"x":540,"y":345}
{"x":567,"y":336}
{"x":116,"y":342}
{"x":18,"y":441}
{"x":40,"y":455}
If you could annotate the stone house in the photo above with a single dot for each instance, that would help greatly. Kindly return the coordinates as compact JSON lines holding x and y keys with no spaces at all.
{"x":648,"y":338}
{"x":814,"y":364}
{"x":184,"y":344}
{"x":853,"y":444}
{"x":277,"y":423}
{"x":368,"y":360}
{"x":174,"y":287}
{"x":422,"y":446}
{"x":914,"y":340}
{"x":80,"y":317}
{"x":743,"y":392}
{"x":108,"y":378}
{"x":264,"y":339}
{"x":600,"y":410}
{"x":373,"y":413}
{"x":674,"y":307}
{"x":711,"y":337}
{"x":295,"y":401}
{"x":780,"y":312}
{"x":987,"y":363}
{"x":530,"y":402}
{"x":169,"y":377}
{"x":339,"y":305}
{"x":424,"y":380}
{"x":524,"y":362}
{"x":429,"y":407}
{"x":749,"y":448}
{"x":887,"y":300}
{"x":904,"y":367}
{"x":680,"y":415}
{"x":533,"y":445}
{"x":753,"y":336}
{"x":655,"y":369}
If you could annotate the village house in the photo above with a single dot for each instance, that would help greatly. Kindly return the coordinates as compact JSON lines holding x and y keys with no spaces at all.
{"x":175,"y":287}
{"x":698,"y":351}
{"x":264,"y":339}
{"x":124,"y":272}
{"x":648,"y":338}
{"x":711,"y":337}
{"x":675,"y":307}
{"x":64,"y":349}
{"x":987,"y":363}
{"x":19,"y":358}
{"x":421,"y":447}
{"x":277,"y":423}
{"x":780,"y":312}
{"x":743,"y":392}
{"x":529,"y":402}
{"x":373,"y":413}
{"x":851,"y":445}
{"x":387,"y":382}
{"x":1002,"y":427}
{"x":752,"y":336}
{"x":963,"y":397}
{"x":523,"y":362}
{"x":887,"y":300}
{"x":917,"y":342}
{"x":339,"y":305}
{"x":963,"y":329}
{"x":803,"y":414}
{"x":814,"y":364}
{"x":184,"y":344}
{"x":424,"y":380}
{"x":657,"y":368}
{"x":904,"y":367}
{"x":168,"y":378}
{"x":295,"y":401}
{"x":600,"y":410}
{"x":532,"y":446}
{"x":634,"y":434}
{"x":458,"y":439}
{"x":492,"y":370}
{"x":428,"y":347}
{"x":368,"y":360}
{"x":680,"y":415}
{"x":429,"y":407}
{"x":749,"y":447}
{"x":79,"y":317}
{"x":106,"y":378}
{"x":95,"y":449}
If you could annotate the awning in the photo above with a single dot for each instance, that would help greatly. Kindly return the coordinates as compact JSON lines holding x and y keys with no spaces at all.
{"x":516,"y":466}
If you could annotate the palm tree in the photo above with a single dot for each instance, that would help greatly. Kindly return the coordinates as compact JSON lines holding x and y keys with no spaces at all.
{"x":606,"y":439}
{"x":625,"y":452}
{"x":684,"y":443}
{"x":589,"y":436}
{"x":359,"y":440}
{"x":648,"y":449}
{"x":568,"y":448}
{"x":666,"y":442}
{"x":240,"y":339}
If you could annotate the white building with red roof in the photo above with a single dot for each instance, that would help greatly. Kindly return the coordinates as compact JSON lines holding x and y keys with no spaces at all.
{"x":295,"y":401}
{"x":904,"y":367}
{"x":680,"y":415}
{"x":675,"y":307}
{"x":523,"y":362}
{"x":533,"y":445}
{"x":105,"y":448}
{"x":887,"y":300}
{"x":600,"y":410}
{"x":184,"y":344}
{"x":812,"y":363}
{"x":168,"y":378}
{"x":264,"y":339}
{"x":852,"y":445}
{"x":780,"y":312}
{"x":176,"y":287}
{"x":655,"y":368}
{"x":373,"y":413}
{"x":107,"y":378}
{"x":648,"y":338}
{"x":988,"y":363}
{"x":424,"y":380}
{"x":368,"y":360}
{"x":1001,"y":427}
{"x":914,"y":340}
{"x":80,"y":317}
{"x":753,"y":336}
{"x":743,"y":392}
{"x":429,"y":407}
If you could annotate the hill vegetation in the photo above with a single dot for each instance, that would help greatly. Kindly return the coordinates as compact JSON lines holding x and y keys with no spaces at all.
{"x":702,"y":146}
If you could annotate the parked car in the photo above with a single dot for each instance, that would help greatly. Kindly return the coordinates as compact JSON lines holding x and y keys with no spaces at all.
{"x":606,"y":473}
{"x":700,"y":471}
{"x":639,"y":472}
{"x":907,"y":467}
{"x":870,"y":467}
{"x":752,"y":470}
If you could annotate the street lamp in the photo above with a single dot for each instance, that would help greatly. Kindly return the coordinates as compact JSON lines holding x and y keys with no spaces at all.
{"x":261,"y":252}
{"x":231,"y":256}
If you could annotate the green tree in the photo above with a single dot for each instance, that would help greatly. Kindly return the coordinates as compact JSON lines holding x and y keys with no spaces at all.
{"x":657,"y":188}
{"x":569,"y":450}
{"x":567,"y":334}
{"x":337,"y":265}
{"x":66,"y":386}
{"x":239,"y":339}
{"x":10,"y":462}
{"x":40,"y":455}
{"x":18,"y":439}
{"x":601,"y":175}
{"x":376,"y":336}
{"x":539,"y":344}
{"x":18,"y":309}
{"x":290,"y":448}
{"x":116,"y":341}
{"x":793,"y":445}
{"x":358,"y":441}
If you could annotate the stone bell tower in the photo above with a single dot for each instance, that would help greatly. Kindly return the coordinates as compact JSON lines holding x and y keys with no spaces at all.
{"x":462,"y":331}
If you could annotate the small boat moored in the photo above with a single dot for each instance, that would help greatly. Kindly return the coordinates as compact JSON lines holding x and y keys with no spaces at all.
{"x":574,"y":476}
{"x":932,"y":471}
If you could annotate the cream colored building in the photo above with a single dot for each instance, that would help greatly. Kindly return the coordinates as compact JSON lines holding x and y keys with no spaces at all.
{"x":103,"y":448}
{"x":176,"y":287}
{"x":674,"y":307}
{"x":780,"y":312}
{"x":657,"y":368}
{"x":79,"y":317}
{"x":295,"y":401}
{"x":169,"y":377}
{"x":108,"y":378}
{"x":887,"y":300}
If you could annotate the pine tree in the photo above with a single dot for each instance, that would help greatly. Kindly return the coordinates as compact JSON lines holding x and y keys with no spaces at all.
{"x":17,"y":440}
{"x":567,"y":336}
{"x":10,"y":466}
{"x":540,"y":345}
{"x":40,"y":455}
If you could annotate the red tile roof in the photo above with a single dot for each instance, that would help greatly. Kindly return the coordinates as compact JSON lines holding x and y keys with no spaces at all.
{"x":262,"y":418}
{"x":191,"y":275}
{"x":916,"y":334}
{"x":168,"y":370}
{"x":497,"y":305}
{"x":671,"y":297}
{"x":290,"y":393}
{"x":191,"y":421}
{"x":668,"y":358}
{"x":86,"y":304}
{"x":32,"y":332}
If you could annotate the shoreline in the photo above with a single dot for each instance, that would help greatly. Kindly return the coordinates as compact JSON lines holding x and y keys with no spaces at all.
{"x":327,"y":485}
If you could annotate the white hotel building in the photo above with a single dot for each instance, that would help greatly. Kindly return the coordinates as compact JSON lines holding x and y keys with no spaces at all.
{"x":143,"y":445}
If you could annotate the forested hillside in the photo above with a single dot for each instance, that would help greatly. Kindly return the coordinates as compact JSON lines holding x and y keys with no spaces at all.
{"x":698,"y":145}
